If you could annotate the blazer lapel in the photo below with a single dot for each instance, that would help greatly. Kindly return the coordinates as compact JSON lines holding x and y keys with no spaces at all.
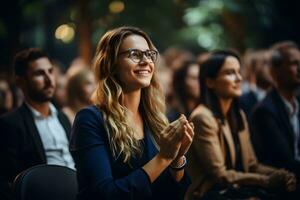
{"x":283,"y":115}
{"x":229,"y":141}
{"x":244,"y":144}
{"x":64,"y":121}
{"x":32,"y":131}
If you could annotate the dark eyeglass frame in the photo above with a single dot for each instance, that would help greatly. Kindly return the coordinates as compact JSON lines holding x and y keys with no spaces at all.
{"x":142,"y":53}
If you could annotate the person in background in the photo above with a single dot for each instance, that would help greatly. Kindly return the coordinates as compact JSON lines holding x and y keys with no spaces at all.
{"x":123,"y":146}
{"x":259,"y":79}
{"x":80,"y":87}
{"x":35,"y":133}
{"x":6,"y":97}
{"x":276,"y":119}
{"x":186,"y":89}
{"x":222,"y":163}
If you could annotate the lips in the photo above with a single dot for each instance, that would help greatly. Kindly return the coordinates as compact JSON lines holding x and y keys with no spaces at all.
{"x":142,"y":72}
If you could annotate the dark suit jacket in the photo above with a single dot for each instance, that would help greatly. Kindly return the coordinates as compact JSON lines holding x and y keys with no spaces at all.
{"x":274,"y":134}
{"x":247,"y":102}
{"x":20,"y":145}
{"x":101,"y":176}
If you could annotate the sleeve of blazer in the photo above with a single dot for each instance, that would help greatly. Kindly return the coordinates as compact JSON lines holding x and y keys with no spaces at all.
{"x":209,"y":152}
{"x":8,"y":156}
{"x":91,"y":155}
{"x":277,"y":146}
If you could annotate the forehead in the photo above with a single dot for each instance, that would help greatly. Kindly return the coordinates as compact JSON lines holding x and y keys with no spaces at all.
{"x":293,"y":53}
{"x":134,"y":42}
{"x":230,"y":63}
{"x":40,"y":64}
{"x":193,"y":69}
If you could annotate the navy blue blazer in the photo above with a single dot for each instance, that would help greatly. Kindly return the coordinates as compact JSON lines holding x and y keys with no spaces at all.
{"x":100,"y":176}
{"x":273,"y":133}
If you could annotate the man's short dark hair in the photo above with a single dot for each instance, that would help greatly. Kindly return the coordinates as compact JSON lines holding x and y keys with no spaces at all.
{"x":23,"y":58}
{"x":279,"y":52}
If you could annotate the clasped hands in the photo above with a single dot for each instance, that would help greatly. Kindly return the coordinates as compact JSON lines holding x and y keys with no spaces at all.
{"x":281,"y":178}
{"x":176,"y":139}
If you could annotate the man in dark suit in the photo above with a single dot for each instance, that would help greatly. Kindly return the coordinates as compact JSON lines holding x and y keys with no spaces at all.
{"x":276,"y":120}
{"x":36,"y":133}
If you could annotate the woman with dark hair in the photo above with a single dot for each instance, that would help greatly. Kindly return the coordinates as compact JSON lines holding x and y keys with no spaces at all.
{"x":186,"y":87}
{"x":222,"y":162}
{"x":123,"y":146}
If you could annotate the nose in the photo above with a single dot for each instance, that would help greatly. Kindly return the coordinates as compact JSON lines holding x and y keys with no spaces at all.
{"x":239,"y":77}
{"x":49,"y":78}
{"x":145,"y":59}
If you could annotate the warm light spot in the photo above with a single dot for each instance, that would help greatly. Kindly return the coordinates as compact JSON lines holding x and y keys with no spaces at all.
{"x":65,"y":33}
{"x":116,"y":6}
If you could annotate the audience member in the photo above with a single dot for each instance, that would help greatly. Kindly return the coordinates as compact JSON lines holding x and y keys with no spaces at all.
{"x":6,"y":97}
{"x":123,"y":146}
{"x":36,"y":133}
{"x":276,"y":119}
{"x":80,"y":87}
{"x":258,"y":76}
{"x":222,"y":163}
{"x":186,"y":89}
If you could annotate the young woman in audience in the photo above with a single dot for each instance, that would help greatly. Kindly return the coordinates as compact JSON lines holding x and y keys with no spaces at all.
{"x":123,"y":146}
{"x":222,"y":163}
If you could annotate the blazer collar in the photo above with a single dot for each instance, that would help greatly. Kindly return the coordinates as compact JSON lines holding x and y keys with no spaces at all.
{"x":32,"y":131}
{"x":280,"y":109}
{"x":229,"y":141}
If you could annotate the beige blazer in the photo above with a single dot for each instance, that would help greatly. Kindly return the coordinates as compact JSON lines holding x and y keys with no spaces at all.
{"x":206,"y":157}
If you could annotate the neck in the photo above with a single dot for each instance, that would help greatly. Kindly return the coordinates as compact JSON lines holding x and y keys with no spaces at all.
{"x":288,"y":94}
{"x":132,"y":100}
{"x":43,"y":108}
{"x":191,"y":104}
{"x":225,"y":105}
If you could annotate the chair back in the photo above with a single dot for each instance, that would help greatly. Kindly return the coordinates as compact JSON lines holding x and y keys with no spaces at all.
{"x":46,"y":182}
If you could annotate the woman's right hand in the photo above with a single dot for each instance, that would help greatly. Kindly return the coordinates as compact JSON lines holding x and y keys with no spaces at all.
{"x":170,"y":139}
{"x":282,"y":179}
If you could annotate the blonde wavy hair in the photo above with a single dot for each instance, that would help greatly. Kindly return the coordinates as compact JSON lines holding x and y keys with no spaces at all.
{"x":108,"y":96}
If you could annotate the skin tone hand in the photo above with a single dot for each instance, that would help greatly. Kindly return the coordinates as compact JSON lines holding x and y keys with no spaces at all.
{"x":290,"y":180}
{"x":186,"y":141}
{"x":170,"y":142}
{"x":282,"y":178}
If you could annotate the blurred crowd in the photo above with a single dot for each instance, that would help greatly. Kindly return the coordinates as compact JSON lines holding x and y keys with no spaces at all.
{"x":179,"y":71}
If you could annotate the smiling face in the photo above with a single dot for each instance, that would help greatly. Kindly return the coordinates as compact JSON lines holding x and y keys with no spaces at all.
{"x":227,"y":84}
{"x":133,"y":75}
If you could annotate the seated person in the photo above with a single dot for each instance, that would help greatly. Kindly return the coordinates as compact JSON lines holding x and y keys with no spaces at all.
{"x":221,"y":156}
{"x":123,"y":146}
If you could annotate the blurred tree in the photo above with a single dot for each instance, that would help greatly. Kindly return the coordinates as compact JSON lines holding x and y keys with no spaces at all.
{"x":67,"y":29}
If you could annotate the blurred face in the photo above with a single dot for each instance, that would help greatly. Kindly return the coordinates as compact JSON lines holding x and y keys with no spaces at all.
{"x":227,"y":84}
{"x":60,"y":91}
{"x":263,"y":74}
{"x":289,"y":74}
{"x":39,"y":81}
{"x":88,"y":88}
{"x":134,"y":75}
{"x":7,"y":101}
{"x":191,"y":81}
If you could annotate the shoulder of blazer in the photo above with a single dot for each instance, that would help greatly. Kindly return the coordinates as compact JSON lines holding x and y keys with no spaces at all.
{"x":203,"y":111}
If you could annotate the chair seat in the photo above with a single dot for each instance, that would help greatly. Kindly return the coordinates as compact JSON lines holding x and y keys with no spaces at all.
{"x":46,"y":182}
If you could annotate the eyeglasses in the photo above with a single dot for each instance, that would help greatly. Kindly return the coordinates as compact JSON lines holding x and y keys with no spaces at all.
{"x":137,"y":55}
